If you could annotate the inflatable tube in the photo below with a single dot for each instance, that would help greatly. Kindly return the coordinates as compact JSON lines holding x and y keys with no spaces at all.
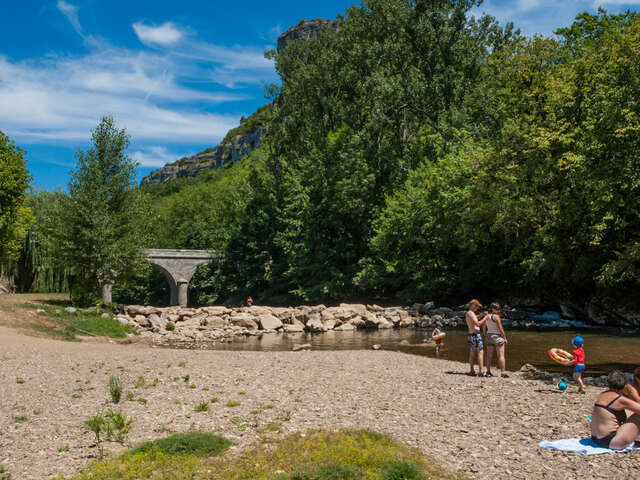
{"x":560,"y":356}
{"x":440,"y":336}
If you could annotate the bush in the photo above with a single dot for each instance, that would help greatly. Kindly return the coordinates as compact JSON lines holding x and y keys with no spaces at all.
{"x":197,"y":444}
{"x":170,"y":327}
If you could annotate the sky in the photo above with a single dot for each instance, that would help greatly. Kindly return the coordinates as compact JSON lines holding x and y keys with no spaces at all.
{"x":177,"y":75}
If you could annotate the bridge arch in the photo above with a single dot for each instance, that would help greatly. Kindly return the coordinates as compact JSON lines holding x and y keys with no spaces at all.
{"x":178,"y":267}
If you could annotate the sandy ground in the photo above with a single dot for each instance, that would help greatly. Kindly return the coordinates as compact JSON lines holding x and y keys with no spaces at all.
{"x":487,"y":428}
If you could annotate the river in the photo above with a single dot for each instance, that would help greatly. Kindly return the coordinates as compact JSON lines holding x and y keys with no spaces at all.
{"x":604,"y":351}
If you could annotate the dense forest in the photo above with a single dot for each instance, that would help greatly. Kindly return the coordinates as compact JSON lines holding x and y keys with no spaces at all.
{"x":415,"y":152}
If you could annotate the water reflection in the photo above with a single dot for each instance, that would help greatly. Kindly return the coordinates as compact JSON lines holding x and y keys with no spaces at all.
{"x":604,"y":352}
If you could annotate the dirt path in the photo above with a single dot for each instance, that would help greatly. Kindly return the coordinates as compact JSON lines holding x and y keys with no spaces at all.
{"x":488,"y":428}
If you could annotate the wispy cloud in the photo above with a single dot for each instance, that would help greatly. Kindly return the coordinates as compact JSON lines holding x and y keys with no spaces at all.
{"x":154,"y":156}
{"x":165,"y":34}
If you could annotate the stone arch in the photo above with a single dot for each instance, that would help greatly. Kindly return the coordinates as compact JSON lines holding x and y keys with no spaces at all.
{"x":178,"y":267}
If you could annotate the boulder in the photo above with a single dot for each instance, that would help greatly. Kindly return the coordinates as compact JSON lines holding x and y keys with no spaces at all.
{"x":215,"y":321}
{"x":330,"y":324}
{"x":142,"y":321}
{"x":357,"y":322}
{"x":105,"y":315}
{"x":269,"y":322}
{"x":243,"y":320}
{"x":342,"y":314}
{"x":155,"y":321}
{"x":71,"y":310}
{"x":304,"y":346}
{"x":384,"y":324}
{"x":370,"y":320}
{"x":295,"y":327}
{"x":217,"y":311}
{"x":345,"y":327}
{"x":376,"y":346}
{"x":358,"y":308}
{"x":530,"y":372}
{"x":122,"y":319}
{"x":314,"y":323}
{"x":375,"y":308}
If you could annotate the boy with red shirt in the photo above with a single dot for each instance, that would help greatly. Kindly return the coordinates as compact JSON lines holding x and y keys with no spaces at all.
{"x":578,"y":363}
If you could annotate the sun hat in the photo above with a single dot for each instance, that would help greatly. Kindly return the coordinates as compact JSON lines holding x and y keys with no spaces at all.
{"x":474,"y":301}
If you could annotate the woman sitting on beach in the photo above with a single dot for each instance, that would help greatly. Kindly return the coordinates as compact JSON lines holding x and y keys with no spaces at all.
{"x":632,"y":390}
{"x":615,"y":420}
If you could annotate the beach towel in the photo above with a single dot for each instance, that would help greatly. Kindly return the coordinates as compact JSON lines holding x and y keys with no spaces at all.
{"x":584,"y":446}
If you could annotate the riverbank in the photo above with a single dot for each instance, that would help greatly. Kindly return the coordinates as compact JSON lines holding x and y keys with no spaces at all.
{"x":487,"y":428}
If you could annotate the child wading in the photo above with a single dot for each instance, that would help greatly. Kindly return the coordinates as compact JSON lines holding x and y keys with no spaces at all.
{"x":578,"y":363}
{"x":436,"y":332}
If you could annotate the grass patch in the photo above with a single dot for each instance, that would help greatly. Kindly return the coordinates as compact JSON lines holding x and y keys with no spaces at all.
{"x":316,"y":455}
{"x":19,"y":380}
{"x":202,"y":407}
{"x":20,"y":419}
{"x":196,"y":444}
{"x":66,"y":326}
{"x":232,"y":403}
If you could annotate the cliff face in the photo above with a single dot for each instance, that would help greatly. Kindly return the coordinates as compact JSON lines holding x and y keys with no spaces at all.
{"x":306,"y":31}
{"x":232,"y":151}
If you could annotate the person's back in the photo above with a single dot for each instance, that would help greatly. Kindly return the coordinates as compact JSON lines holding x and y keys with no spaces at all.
{"x":492,"y":325}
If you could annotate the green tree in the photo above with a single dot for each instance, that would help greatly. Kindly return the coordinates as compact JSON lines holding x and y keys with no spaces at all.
{"x":15,"y":215}
{"x":104,"y":220}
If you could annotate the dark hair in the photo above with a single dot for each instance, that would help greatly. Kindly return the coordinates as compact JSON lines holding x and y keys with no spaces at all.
{"x":494,"y":306}
{"x":636,"y":373}
{"x":616,"y":380}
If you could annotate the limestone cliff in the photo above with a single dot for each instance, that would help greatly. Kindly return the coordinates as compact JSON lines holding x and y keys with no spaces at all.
{"x":231,"y":150}
{"x":306,"y":30}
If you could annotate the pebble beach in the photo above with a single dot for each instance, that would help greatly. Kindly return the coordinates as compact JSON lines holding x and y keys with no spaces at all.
{"x":481,"y":427}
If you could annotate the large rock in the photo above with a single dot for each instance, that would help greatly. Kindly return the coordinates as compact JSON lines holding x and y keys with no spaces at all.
{"x":295,"y":327}
{"x":269,"y":322}
{"x":358,"y":308}
{"x":383,"y":323}
{"x":244,"y":320}
{"x":155,"y":321}
{"x":345,"y":327}
{"x":215,"y":321}
{"x":142,"y":321}
{"x":314,"y":323}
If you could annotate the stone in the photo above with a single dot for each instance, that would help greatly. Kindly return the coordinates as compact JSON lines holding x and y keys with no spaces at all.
{"x":376,"y":347}
{"x":295,"y":327}
{"x":71,"y":310}
{"x":345,"y":327}
{"x":122,"y":319}
{"x":269,"y":322}
{"x":375,"y":308}
{"x":142,"y":321}
{"x":357,"y":322}
{"x":3,"y":289}
{"x":244,"y":320}
{"x":40,"y":310}
{"x":304,"y":346}
{"x":384,"y":324}
{"x":215,"y":321}
{"x":359,"y":309}
{"x":314,"y":323}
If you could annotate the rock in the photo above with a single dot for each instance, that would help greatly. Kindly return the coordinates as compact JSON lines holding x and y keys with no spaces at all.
{"x":428,"y":306}
{"x":384,"y":324}
{"x":71,"y":310}
{"x":530,"y":372}
{"x":122,"y":319}
{"x":567,"y":312}
{"x":295,"y":327}
{"x":269,"y":322}
{"x":142,"y":321}
{"x":357,"y":322}
{"x":359,"y":309}
{"x":375,"y":308}
{"x":314,"y":323}
{"x":304,"y":346}
{"x":215,"y":321}
{"x":40,"y":310}
{"x":345,"y":327}
{"x":376,"y":347}
{"x":217,"y":311}
{"x":105,"y":315}
{"x":3,"y":289}
{"x":244,"y":320}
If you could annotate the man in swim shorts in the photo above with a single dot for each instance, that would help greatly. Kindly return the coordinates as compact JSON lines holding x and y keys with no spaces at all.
{"x":476,"y":347}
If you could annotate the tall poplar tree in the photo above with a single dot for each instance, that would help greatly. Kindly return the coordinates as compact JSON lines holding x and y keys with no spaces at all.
{"x":104,"y":219}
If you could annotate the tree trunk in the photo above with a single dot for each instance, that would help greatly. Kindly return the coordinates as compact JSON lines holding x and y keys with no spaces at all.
{"x":106,"y":293}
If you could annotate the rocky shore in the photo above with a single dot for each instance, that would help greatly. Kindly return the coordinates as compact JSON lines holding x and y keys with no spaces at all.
{"x":183,"y":326}
{"x":485,"y":428}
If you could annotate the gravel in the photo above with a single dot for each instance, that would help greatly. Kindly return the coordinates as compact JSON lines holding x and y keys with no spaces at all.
{"x":486,"y":428}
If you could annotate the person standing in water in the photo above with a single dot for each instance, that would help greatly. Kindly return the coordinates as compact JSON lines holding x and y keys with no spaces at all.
{"x":496,"y":340}
{"x":474,"y":337}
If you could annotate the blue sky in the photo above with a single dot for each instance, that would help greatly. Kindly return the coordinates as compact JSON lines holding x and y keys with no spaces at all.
{"x":177,"y":75}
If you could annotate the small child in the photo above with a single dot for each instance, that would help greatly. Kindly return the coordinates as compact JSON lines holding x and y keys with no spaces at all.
{"x":437,"y":331}
{"x":578,"y":363}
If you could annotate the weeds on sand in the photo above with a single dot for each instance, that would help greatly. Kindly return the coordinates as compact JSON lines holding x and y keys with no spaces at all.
{"x":202,"y":407}
{"x":314,"y":455}
{"x":232,"y":403}
{"x":4,"y":475}
{"x":214,"y":400}
{"x":115,"y":388}
{"x":238,"y":422}
{"x":63,"y":449}
{"x":140,"y":383}
{"x":20,"y":380}
{"x":112,"y":426}
{"x":197,"y":444}
{"x":130,"y":396}
{"x":20,"y":419}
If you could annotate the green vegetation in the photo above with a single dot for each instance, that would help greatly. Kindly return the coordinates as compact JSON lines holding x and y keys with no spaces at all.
{"x":316,"y":455}
{"x":202,"y":407}
{"x":197,"y":444}
{"x":20,"y":419}
{"x":260,"y":118}
{"x":111,"y":426}
{"x":20,"y":380}
{"x":115,"y":388}
{"x":232,"y":403}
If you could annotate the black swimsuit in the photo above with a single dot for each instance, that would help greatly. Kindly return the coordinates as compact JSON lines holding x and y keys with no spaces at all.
{"x":621,"y":417}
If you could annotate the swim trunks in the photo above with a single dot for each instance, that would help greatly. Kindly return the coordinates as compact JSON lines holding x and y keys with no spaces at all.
{"x":495,"y":339}
{"x":578,"y":369}
{"x":475,"y":341}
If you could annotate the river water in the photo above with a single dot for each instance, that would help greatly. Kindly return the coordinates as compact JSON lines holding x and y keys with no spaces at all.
{"x":604,"y":351}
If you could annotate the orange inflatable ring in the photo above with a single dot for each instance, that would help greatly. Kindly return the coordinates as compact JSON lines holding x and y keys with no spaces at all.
{"x":439,"y":336}
{"x":560,"y":356}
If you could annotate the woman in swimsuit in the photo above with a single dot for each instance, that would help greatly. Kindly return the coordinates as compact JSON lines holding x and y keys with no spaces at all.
{"x":632,"y":390}
{"x":610,"y":426}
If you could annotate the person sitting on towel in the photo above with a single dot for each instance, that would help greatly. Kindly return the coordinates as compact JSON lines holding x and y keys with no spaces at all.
{"x":615,"y":420}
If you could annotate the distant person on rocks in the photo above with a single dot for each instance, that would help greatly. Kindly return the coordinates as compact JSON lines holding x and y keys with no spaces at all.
{"x":615,"y":420}
{"x":249,"y":301}
{"x":474,"y":337}
{"x":496,"y":340}
{"x":14,"y":289}
{"x":632,"y":390}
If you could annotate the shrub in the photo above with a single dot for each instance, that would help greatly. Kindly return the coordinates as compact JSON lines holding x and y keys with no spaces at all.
{"x":98,"y":426}
{"x":118,"y":426}
{"x":140,"y":382}
{"x":232,"y":403}
{"x":401,"y":471}
{"x":198,"y":444}
{"x":202,"y":407}
{"x":115,"y":388}
{"x":19,"y":380}
{"x":170,"y":327}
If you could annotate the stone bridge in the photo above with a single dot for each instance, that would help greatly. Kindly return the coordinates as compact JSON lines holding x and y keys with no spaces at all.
{"x":178,"y":267}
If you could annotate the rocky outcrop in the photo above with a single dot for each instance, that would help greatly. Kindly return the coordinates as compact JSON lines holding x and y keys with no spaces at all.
{"x":229,"y":152}
{"x":306,"y":30}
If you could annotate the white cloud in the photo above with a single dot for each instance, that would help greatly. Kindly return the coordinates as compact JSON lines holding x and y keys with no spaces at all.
{"x":165,"y":34}
{"x":598,"y":3}
{"x":71,"y":12}
{"x":154,"y":156}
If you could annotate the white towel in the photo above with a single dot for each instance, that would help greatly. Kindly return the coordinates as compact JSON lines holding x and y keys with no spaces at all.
{"x":584,"y":446}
